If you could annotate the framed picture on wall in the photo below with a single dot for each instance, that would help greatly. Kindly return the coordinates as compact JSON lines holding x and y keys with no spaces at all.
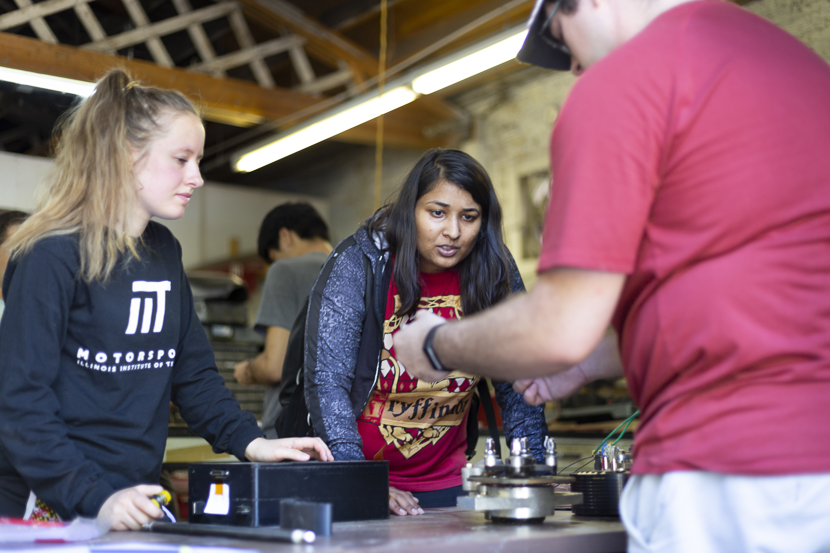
{"x":535,"y":193}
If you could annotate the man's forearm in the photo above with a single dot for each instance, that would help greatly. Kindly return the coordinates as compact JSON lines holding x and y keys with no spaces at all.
{"x":546,"y":331}
{"x":604,"y":361}
{"x":502,"y":343}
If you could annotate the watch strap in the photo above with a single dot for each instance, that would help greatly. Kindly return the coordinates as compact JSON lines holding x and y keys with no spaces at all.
{"x":429,"y":351}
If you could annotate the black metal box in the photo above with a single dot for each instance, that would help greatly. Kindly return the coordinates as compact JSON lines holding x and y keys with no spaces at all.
{"x":249,"y":493}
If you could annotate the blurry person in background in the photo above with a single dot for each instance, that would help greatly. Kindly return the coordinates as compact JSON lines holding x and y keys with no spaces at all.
{"x":294,"y":239}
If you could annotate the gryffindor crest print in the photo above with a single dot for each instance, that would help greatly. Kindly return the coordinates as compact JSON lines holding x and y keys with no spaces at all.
{"x":411,"y":414}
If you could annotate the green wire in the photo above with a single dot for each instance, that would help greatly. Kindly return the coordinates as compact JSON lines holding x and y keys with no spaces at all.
{"x":612,"y":433}
{"x":622,"y":432}
{"x":626,"y":422}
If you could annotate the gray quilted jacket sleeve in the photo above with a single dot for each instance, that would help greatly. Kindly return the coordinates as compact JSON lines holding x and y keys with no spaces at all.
{"x":330,"y":361}
{"x":521,"y":420}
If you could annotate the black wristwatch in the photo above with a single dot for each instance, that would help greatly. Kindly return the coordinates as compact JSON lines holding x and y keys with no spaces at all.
{"x":430,"y":353}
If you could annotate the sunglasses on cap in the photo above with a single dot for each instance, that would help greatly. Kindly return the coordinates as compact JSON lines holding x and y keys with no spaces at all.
{"x":540,"y":47}
{"x":545,"y":34}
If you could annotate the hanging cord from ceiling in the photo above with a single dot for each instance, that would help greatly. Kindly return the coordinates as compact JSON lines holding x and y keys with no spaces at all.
{"x":384,"y":18}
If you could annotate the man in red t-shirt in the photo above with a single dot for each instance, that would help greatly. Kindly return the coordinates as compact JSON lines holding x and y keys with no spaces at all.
{"x":690,"y":207}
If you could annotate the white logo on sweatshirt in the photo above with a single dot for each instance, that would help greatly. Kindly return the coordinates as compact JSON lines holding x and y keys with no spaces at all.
{"x":142,"y":286}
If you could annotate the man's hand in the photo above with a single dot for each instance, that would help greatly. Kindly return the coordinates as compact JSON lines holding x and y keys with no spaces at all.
{"x":242,"y":373}
{"x":291,"y":449}
{"x":542,"y":389}
{"x":409,"y":345}
{"x":403,"y":503}
{"x":131,"y":508}
{"x":603,"y":362}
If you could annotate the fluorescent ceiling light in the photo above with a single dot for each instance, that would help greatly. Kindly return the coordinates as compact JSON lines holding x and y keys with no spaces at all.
{"x":332,"y":125}
{"x":38,"y":80}
{"x":475,"y":59}
{"x":470,"y":65}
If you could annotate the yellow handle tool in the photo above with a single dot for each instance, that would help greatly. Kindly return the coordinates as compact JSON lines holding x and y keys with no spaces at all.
{"x":162,"y":498}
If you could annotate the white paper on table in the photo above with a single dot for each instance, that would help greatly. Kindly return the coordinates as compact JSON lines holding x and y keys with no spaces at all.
{"x":22,"y":531}
{"x":219,"y":500}
{"x":143,"y":547}
{"x":134,"y":547}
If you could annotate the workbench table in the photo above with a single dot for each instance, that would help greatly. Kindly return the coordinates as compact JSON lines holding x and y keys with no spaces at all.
{"x":449,"y":530}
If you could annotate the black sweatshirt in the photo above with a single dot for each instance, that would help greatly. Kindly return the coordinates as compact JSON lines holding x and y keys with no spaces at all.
{"x":87,"y":372}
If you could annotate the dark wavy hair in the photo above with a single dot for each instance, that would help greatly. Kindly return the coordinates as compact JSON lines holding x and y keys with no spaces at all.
{"x":484,"y":273}
{"x":300,"y":217}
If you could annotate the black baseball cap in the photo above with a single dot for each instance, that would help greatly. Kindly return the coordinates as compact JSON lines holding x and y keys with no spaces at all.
{"x":536,"y":50}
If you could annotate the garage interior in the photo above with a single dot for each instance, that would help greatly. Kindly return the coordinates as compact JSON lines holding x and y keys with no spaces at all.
{"x":261,"y":69}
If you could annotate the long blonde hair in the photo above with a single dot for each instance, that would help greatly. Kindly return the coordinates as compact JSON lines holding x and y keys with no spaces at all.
{"x":92,"y":189}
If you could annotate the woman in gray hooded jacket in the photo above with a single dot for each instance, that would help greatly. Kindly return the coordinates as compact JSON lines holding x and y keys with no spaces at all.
{"x":437,"y":246}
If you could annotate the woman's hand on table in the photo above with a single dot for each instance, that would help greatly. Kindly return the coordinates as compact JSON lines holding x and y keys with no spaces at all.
{"x":287,"y":449}
{"x":131,"y":508}
{"x":403,"y":503}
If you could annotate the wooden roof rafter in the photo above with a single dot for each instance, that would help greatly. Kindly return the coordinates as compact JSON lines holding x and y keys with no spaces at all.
{"x":198,"y":36}
{"x":171,"y":25}
{"x":39,"y":25}
{"x":229,"y":101}
{"x":150,"y":33}
{"x":279,"y":14}
{"x":322,"y":41}
{"x":31,"y":11}
{"x":199,"y":64}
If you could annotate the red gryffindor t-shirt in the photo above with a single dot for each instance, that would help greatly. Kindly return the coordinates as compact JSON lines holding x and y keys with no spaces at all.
{"x":419,"y":427}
